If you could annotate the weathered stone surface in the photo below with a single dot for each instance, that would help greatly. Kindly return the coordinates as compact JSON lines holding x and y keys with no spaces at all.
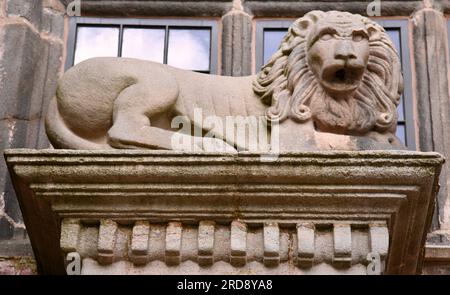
{"x":154,"y":8}
{"x":106,"y":241}
{"x":356,"y":188}
{"x":238,"y":242}
{"x":342,"y":239}
{"x":167,"y":89}
{"x":16,"y":247}
{"x":431,"y":64}
{"x":11,"y":225}
{"x":28,"y":9}
{"x":30,"y":63}
{"x":22,"y":60}
{"x":236,"y":43}
{"x":436,"y":270}
{"x":323,"y":87}
{"x":257,"y":249}
{"x":173,"y":243}
{"x":294,"y":8}
{"x":70,"y":230}
{"x":206,"y":232}
{"x":271,"y":244}
{"x":140,"y":238}
{"x":305,"y":244}
{"x":55,"y":5}
{"x":379,"y":238}
{"x":91,"y":267}
{"x":53,"y":23}
{"x":326,"y":89}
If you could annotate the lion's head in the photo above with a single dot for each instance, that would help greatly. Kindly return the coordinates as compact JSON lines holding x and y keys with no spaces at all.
{"x":338,"y":69}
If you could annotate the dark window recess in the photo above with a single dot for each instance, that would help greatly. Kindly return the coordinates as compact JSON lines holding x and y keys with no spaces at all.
{"x":269,"y":35}
{"x":186,"y":44}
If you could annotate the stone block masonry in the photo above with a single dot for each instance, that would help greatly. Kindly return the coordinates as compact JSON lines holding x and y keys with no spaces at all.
{"x":31,"y":53}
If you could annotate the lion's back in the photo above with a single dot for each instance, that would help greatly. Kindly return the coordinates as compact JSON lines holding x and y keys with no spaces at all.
{"x":87,"y":91}
{"x":217,"y":96}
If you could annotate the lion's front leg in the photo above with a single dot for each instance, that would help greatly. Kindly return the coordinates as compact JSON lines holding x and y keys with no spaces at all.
{"x":132,"y":128}
{"x":132,"y":131}
{"x":210,"y":144}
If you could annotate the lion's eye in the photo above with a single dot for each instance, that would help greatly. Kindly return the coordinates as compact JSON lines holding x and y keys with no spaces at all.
{"x":326,"y":37}
{"x":358,"y":37}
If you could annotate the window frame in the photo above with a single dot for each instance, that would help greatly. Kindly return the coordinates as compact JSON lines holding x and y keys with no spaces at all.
{"x":165,"y":23}
{"x":398,"y":24}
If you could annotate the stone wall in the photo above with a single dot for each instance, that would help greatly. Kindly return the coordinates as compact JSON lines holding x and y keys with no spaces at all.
{"x":32,"y":57}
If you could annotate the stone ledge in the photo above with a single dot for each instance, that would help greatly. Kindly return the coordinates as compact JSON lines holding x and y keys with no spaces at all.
{"x":292,"y":8}
{"x":437,"y":253}
{"x":91,"y":267}
{"x":379,"y":192}
{"x":285,"y":8}
{"x":154,"y":8}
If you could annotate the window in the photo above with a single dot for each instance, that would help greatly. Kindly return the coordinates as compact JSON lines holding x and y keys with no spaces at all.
{"x":186,"y":44}
{"x":270,"y":33}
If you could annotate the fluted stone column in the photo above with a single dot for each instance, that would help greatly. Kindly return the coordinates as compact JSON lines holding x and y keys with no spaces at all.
{"x":431,"y":65}
{"x":237,"y":42}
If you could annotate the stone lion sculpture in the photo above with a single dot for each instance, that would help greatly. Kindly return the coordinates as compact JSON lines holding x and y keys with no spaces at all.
{"x":334,"y":83}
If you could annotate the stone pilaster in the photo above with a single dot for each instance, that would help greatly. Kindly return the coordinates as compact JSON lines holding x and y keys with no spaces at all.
{"x":236,"y":42}
{"x":431,"y":65}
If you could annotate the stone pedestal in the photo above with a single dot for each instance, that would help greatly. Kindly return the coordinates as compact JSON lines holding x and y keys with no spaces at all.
{"x":158,"y":212}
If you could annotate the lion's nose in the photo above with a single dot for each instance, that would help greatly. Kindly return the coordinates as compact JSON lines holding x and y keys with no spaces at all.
{"x":344,"y":50}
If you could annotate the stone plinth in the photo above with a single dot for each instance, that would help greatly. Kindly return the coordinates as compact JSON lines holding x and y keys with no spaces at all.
{"x":163,"y":212}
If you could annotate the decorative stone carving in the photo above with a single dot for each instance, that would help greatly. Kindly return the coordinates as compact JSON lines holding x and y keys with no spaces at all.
{"x":334,"y":72}
{"x":333,"y":84}
{"x":166,"y":212}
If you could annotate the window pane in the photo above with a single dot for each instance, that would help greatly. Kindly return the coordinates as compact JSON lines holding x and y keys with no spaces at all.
{"x":145,"y":44}
{"x":401,"y":133}
{"x":189,"y":49}
{"x":272,"y":40}
{"x":401,"y":110}
{"x":394,"y":34}
{"x":96,"y":42}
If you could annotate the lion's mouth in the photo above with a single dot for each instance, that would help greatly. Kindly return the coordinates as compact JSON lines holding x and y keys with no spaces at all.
{"x":341,"y":75}
{"x":342,"y":78}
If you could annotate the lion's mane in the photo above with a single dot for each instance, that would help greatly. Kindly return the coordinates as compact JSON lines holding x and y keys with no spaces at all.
{"x":291,"y":90}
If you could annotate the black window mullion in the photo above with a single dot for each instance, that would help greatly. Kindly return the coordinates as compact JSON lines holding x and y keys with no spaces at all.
{"x":166,"y":45}
{"x":119,"y":54}
{"x":210,"y":50}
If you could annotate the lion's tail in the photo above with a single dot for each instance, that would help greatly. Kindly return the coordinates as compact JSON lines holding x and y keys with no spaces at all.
{"x":61,"y":136}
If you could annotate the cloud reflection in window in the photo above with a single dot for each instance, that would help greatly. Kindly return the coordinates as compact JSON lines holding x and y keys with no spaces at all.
{"x":189,"y":49}
{"x":96,"y":42}
{"x":147,"y":44}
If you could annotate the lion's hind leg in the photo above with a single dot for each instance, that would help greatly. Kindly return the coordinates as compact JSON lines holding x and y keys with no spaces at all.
{"x":133,"y":109}
{"x":132,"y":127}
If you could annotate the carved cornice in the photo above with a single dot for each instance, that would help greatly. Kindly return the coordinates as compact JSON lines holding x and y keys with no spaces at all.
{"x":258,"y":8}
{"x":233,"y":210}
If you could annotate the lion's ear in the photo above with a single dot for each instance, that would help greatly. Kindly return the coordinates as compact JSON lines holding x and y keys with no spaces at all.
{"x":301,"y":27}
{"x":374,"y":33}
